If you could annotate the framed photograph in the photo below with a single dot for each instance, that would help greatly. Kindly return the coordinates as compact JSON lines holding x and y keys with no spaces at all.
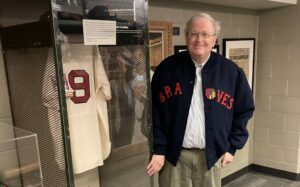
{"x":160,"y":41}
{"x":242,"y":52}
{"x":179,"y":48}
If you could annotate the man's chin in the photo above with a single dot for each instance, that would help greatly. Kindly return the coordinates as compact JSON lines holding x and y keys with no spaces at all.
{"x":199,"y":53}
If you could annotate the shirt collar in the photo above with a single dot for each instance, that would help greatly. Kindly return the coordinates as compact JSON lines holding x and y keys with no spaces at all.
{"x":202,"y":64}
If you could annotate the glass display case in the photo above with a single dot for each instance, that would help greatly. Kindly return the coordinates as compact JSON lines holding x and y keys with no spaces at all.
{"x":33,"y":81}
{"x":19,"y":158}
{"x":78,"y":77}
{"x":102,"y":46}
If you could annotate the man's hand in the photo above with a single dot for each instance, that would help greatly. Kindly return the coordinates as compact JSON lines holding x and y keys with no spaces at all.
{"x":227,"y":158}
{"x":155,"y":165}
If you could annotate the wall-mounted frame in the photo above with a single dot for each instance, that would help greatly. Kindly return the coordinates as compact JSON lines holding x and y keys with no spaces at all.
{"x":242,"y":52}
{"x":160,"y":41}
{"x":179,"y":48}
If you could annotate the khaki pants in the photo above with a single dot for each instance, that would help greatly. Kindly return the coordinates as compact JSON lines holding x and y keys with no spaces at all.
{"x":190,"y":171}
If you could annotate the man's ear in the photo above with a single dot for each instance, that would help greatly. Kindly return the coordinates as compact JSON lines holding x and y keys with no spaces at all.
{"x":216,"y":40}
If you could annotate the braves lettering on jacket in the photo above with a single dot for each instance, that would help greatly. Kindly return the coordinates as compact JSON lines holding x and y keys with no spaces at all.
{"x":223,"y":97}
{"x":228,"y":105}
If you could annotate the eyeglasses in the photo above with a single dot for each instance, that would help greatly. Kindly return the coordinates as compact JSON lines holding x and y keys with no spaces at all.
{"x":204,"y":35}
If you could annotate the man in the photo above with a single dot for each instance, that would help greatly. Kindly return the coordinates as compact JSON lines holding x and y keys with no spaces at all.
{"x":201,"y":103}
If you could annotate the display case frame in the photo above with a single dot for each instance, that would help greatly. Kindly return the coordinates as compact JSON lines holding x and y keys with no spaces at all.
{"x":160,"y":41}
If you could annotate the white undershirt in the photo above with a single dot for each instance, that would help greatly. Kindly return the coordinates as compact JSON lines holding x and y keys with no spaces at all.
{"x":194,"y":136}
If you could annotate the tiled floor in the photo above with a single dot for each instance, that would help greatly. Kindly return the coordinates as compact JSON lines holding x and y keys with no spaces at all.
{"x":254,"y":179}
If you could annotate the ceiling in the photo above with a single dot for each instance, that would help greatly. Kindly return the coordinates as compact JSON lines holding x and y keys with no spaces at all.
{"x":249,"y":4}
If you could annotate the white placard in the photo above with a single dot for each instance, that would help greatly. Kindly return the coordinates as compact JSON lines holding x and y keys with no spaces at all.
{"x":99,"y":32}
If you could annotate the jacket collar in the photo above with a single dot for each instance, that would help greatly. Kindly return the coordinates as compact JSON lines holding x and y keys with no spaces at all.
{"x":211,"y":62}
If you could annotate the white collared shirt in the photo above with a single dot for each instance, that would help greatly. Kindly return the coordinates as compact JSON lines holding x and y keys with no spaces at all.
{"x":194,"y":136}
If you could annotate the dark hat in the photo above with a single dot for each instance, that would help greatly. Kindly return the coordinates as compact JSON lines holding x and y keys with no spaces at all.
{"x":100,"y":12}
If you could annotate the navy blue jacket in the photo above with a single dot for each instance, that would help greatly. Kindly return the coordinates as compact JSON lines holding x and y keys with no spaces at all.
{"x":228,"y":105}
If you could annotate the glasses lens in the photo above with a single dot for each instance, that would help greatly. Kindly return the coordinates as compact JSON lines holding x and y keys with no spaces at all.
{"x":200,"y":34}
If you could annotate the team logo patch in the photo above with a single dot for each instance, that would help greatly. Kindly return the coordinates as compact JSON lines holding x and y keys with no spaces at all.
{"x":210,"y":93}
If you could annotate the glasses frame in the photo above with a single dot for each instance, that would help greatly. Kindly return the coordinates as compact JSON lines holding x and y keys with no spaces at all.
{"x":204,"y":35}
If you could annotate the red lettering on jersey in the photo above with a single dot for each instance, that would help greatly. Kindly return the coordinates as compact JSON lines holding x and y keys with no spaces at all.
{"x":231,"y":101}
{"x":178,"y":89}
{"x":84,"y":85}
{"x":220,"y":95}
{"x":168,"y":91}
{"x":161,"y":97}
{"x":224,"y":100}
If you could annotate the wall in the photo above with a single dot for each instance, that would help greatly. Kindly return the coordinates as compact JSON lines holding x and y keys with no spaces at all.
{"x":235,"y":23}
{"x":277,"y":119}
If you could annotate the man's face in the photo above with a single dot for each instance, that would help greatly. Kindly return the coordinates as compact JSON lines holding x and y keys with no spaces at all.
{"x":200,"y":38}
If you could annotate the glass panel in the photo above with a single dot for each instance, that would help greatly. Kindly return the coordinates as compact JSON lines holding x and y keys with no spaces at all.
{"x":19,"y":158}
{"x":106,"y":87}
{"x":29,"y":59}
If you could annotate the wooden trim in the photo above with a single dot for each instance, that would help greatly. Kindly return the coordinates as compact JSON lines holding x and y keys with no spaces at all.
{"x":166,"y":29}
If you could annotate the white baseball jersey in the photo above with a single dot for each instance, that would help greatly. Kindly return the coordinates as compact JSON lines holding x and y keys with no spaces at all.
{"x":86,"y":80}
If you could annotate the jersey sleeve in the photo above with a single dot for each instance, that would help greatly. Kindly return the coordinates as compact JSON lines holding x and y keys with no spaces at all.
{"x":101,"y":80}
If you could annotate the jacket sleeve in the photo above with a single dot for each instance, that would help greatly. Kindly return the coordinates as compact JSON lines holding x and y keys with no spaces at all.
{"x":159,"y":138}
{"x":242,"y":111}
